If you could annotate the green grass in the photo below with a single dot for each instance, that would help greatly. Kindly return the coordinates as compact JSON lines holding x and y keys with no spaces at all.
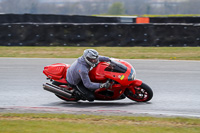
{"x":66,"y":123}
{"x":169,"y":53}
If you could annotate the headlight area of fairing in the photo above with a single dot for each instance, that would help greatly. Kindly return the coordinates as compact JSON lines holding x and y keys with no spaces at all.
{"x":132,"y":75}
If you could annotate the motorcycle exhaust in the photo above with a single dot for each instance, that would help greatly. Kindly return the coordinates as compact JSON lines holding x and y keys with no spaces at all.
{"x":57,"y":90}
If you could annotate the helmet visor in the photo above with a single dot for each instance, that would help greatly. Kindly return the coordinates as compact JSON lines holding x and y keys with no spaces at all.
{"x":93,"y":61}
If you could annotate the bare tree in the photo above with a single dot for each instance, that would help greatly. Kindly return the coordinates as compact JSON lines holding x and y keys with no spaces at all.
{"x":19,"y":6}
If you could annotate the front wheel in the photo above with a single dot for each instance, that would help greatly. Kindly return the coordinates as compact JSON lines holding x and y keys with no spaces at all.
{"x":142,"y":93}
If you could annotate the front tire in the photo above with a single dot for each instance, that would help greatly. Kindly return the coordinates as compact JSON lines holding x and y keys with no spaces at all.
{"x":142,"y":93}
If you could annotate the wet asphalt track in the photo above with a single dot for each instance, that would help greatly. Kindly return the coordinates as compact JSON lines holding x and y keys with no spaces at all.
{"x":176,"y":87}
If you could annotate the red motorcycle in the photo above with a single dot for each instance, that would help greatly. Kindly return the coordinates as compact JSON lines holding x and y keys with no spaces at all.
{"x":119,"y":73}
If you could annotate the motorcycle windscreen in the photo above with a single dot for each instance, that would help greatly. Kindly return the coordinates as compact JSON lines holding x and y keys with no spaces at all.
{"x":116,"y":67}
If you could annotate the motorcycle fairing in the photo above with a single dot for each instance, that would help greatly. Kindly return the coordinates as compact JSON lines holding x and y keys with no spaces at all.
{"x":120,"y":76}
{"x":101,"y":73}
{"x":97,"y":73}
{"x":113,"y":93}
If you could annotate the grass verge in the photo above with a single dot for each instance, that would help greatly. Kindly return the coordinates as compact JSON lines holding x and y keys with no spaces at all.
{"x":62,"y":123}
{"x":169,"y":53}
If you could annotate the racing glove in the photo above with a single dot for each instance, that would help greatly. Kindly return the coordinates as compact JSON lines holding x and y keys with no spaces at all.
{"x":105,"y":85}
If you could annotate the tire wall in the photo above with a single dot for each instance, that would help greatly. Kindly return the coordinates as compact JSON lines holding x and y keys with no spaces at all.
{"x":55,"y":30}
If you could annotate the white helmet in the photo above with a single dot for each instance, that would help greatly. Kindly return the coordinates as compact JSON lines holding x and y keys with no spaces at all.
{"x":91,"y":56}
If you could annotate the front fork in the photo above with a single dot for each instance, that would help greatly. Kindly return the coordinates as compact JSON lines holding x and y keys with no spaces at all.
{"x":133,"y":86}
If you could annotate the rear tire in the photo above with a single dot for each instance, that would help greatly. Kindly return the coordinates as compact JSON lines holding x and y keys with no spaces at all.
{"x":61,"y":97}
{"x":67,"y":99}
{"x":142,"y":93}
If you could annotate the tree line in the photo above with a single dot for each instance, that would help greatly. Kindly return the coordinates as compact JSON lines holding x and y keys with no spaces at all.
{"x":110,"y":7}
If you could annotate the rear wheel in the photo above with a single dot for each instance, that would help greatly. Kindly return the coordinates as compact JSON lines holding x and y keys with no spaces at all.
{"x":142,"y":93}
{"x":61,"y":97}
{"x":67,"y":99}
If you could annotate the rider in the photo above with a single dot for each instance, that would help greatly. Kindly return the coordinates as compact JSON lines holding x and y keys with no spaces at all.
{"x":78,"y":73}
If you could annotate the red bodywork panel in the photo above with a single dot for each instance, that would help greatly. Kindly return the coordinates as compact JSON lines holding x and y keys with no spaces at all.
{"x":57,"y":72}
{"x":98,"y":74}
